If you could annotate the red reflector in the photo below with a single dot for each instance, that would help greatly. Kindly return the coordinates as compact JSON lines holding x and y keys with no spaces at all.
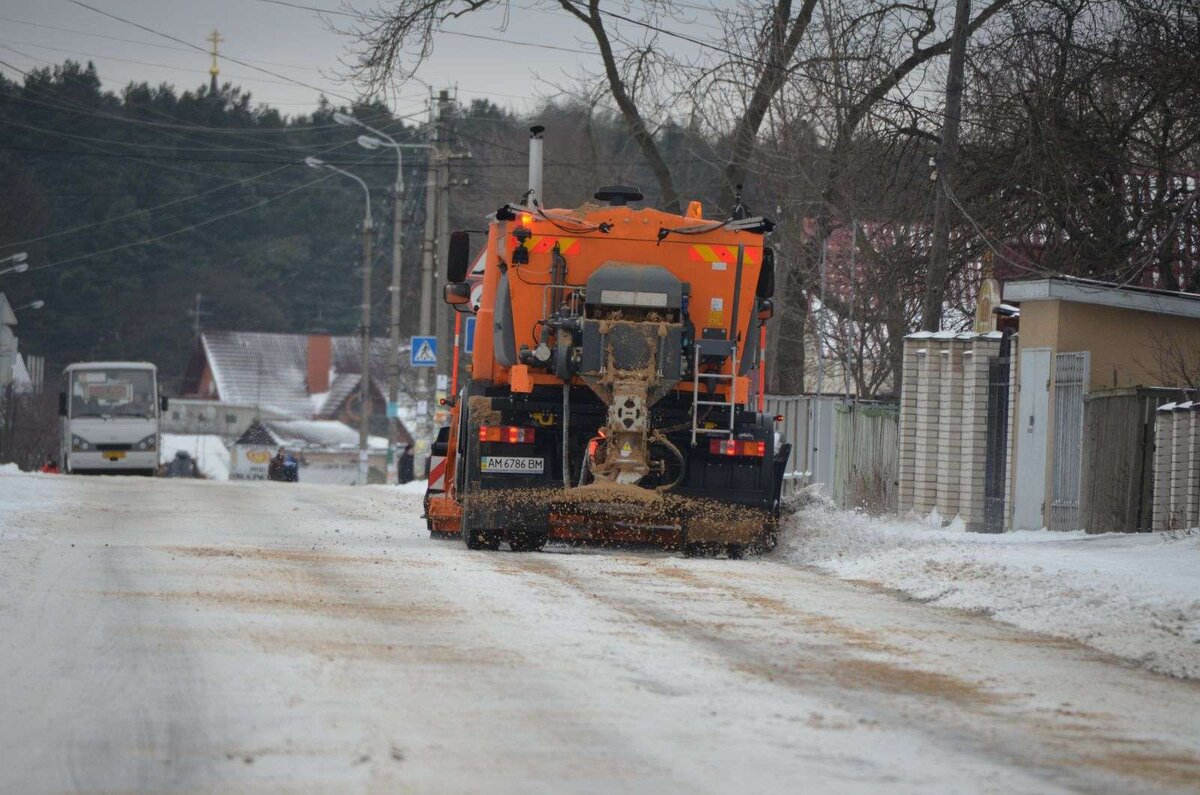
{"x":779,"y":418}
{"x":510,"y":434}
{"x":736,"y":447}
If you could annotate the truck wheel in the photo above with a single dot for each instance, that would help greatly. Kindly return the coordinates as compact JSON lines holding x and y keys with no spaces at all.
{"x":526,"y":541}
{"x":478,"y":538}
{"x":481,"y":539}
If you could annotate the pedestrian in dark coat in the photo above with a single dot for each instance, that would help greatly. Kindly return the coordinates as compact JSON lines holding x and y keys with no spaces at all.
{"x":404,"y":469}
{"x":275,"y":467}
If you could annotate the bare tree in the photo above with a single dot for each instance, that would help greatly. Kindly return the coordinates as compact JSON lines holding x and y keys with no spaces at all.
{"x":394,"y":38}
{"x":1086,"y":140}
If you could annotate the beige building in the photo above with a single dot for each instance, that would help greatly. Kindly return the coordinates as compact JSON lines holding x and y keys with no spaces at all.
{"x":1077,"y":339}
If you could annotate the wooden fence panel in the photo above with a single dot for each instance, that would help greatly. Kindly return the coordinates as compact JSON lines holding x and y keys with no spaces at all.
{"x":867,"y":457}
{"x":1118,"y":459}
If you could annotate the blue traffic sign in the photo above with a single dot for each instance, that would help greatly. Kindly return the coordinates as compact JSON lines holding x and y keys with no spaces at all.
{"x":468,"y":345}
{"x":422,"y":352}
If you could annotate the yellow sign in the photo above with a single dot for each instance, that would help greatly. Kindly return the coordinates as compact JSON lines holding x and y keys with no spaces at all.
{"x":258,"y":456}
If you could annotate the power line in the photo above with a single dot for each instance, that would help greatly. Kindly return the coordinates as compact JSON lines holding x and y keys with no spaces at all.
{"x":144,"y":210}
{"x":166,"y":147}
{"x":198,"y":48}
{"x":241,"y":132}
{"x":142,"y":43}
{"x":182,"y":230}
{"x":83,"y":54}
{"x":480,"y":36}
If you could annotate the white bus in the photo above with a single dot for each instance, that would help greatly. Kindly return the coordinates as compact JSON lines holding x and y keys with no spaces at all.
{"x":110,"y":414}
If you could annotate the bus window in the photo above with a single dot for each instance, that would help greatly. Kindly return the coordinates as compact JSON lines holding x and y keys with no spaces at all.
{"x":113,"y":393}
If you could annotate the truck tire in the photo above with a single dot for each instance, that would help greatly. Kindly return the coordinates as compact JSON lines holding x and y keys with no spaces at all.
{"x":478,"y":537}
{"x":699,"y":549}
{"x":526,"y":540}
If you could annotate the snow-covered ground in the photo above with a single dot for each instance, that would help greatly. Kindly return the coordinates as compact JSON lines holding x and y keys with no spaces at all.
{"x":175,"y":636}
{"x":1136,"y":596}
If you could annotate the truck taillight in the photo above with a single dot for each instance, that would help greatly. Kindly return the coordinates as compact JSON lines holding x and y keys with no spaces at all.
{"x":510,"y":434}
{"x":737,"y":447}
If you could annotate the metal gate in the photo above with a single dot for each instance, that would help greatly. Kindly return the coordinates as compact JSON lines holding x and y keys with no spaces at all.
{"x":996,"y":464}
{"x":1031,"y":440}
{"x":1070,"y":385}
{"x":808,"y":426}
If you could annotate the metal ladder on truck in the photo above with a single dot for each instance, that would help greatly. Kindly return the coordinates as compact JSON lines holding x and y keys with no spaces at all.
{"x":725,"y":409}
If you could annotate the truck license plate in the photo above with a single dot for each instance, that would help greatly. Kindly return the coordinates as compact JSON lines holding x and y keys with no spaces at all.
{"x":511,"y":464}
{"x":114,"y":455}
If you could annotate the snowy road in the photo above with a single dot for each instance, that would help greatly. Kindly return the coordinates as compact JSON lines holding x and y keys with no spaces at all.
{"x":166,"y":636}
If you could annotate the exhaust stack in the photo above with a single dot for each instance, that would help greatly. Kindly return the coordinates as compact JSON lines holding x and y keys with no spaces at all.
{"x":534,"y":197}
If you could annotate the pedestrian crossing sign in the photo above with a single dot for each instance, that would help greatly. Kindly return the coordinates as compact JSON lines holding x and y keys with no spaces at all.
{"x":423,"y":352}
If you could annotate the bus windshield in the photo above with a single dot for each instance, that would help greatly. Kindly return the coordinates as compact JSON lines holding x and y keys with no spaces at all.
{"x":112,"y":392}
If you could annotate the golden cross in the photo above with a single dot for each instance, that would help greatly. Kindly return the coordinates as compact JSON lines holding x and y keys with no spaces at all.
{"x":216,"y":39}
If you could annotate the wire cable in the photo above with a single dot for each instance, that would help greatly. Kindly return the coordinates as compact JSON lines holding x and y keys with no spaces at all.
{"x":182,"y":230}
{"x":198,"y":48}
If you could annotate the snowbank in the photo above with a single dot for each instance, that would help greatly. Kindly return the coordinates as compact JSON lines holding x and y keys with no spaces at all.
{"x":1136,"y":596}
{"x":9,"y":469}
{"x":208,"y":449}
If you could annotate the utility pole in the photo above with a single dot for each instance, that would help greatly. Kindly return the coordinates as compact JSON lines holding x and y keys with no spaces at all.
{"x":445,"y":340}
{"x":394,"y":355}
{"x":428,"y":243}
{"x":435,"y":318}
{"x":376,"y":139}
{"x":947,"y":159}
{"x":364,"y":384}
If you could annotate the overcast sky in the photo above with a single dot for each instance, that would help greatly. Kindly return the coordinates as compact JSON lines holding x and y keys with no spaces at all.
{"x":295,"y":43}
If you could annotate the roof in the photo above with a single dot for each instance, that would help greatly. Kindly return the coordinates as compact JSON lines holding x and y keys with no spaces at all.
{"x":111,"y":365}
{"x":954,"y":335}
{"x":7,"y":316}
{"x":318,"y":434}
{"x":342,"y":386}
{"x":256,"y":434}
{"x":271,"y":370}
{"x":1087,"y":291}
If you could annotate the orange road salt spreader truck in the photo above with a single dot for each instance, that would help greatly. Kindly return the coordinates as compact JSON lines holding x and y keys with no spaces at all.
{"x":614,"y":389}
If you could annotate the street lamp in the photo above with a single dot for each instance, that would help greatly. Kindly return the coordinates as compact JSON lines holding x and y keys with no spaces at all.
{"x":374,"y":141}
{"x":19,"y":263}
{"x":38,"y":304}
{"x":364,"y":384}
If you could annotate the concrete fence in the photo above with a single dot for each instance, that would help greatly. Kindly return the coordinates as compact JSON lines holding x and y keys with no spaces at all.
{"x":943,"y":424}
{"x":1177,"y":466}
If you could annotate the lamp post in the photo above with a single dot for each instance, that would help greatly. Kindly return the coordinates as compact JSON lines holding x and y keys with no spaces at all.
{"x":364,"y":385}
{"x":38,"y":304}
{"x":374,"y":141}
{"x":19,"y":264}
